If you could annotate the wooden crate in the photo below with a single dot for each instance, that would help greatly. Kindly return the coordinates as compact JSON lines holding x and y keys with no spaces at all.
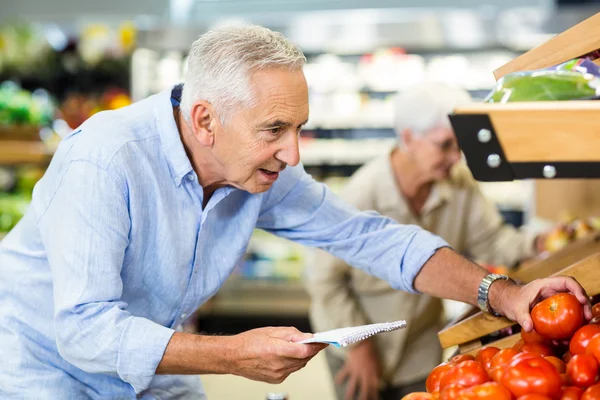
{"x":553,"y":263}
{"x":467,"y":332}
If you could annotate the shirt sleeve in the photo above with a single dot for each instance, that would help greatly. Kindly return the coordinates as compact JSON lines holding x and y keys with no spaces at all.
{"x":85,"y":232}
{"x":307,"y":212}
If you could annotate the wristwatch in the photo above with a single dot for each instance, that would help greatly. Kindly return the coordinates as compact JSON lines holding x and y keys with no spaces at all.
{"x":483,"y":300}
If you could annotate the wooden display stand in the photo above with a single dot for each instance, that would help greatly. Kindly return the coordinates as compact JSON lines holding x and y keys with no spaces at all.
{"x":467,"y":333}
{"x":546,"y":140}
{"x":554,"y":139}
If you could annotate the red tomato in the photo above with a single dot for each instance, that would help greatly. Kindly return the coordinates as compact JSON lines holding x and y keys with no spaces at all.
{"x":460,"y":358}
{"x":558,"y":317}
{"x":518,"y":344}
{"x":571,"y":393}
{"x":595,"y":320}
{"x":503,"y":357}
{"x":533,"y":337}
{"x":596,"y":310}
{"x":591,"y":393}
{"x":485,"y":355}
{"x":593,"y":347}
{"x":564,"y":379}
{"x":418,"y":396}
{"x":582,"y":370}
{"x":534,"y":396}
{"x":450,"y":392}
{"x":531,"y":374}
{"x":537,"y":348}
{"x":559,"y":364}
{"x":433,"y":380}
{"x":567,"y":356}
{"x":582,"y":337}
{"x":485,"y":391}
{"x":465,"y":374}
{"x":496,"y":373}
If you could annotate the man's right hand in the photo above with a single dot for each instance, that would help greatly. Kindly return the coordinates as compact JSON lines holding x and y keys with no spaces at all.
{"x":270,"y":354}
{"x":361,"y":372}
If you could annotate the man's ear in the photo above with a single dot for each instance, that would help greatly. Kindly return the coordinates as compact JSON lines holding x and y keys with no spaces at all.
{"x":407,"y":137}
{"x":203,"y":118}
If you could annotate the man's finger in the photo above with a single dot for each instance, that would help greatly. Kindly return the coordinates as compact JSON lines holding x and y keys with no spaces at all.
{"x":525,"y":322}
{"x":290,"y":334}
{"x":575,"y":288}
{"x":296,"y":350}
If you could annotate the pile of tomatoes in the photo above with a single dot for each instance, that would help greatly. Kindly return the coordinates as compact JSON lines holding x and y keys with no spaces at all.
{"x":558,"y":360}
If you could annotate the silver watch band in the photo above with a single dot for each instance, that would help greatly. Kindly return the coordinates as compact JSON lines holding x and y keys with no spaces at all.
{"x":483,"y":300}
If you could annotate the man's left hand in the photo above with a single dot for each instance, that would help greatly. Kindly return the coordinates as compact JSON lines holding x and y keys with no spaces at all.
{"x":516,"y":301}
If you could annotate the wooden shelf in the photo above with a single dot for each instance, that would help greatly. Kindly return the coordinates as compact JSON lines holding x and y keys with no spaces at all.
{"x":557,"y":131}
{"x":575,"y":42}
{"x":13,"y":152}
{"x":555,"y":262}
{"x":467,"y":332}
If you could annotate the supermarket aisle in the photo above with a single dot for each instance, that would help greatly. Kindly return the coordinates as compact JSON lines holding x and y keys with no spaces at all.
{"x":312,"y":382}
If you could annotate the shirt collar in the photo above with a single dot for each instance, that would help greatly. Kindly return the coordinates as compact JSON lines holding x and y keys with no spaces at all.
{"x":179,"y":163}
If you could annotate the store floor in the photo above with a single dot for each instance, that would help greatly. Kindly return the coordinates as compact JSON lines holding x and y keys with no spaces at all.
{"x":312,"y":382}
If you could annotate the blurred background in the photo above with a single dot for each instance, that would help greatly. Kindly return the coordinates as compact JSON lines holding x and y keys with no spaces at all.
{"x":63,"y":60}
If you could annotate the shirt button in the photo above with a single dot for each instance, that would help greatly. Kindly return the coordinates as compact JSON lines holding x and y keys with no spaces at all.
{"x":183,"y":315}
{"x":191,"y":177}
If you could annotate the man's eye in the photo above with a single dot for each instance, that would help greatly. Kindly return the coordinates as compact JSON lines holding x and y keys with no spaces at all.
{"x":276,"y":130}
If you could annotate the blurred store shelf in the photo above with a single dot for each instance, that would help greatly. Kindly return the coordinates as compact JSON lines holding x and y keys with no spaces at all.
{"x":258,"y":297}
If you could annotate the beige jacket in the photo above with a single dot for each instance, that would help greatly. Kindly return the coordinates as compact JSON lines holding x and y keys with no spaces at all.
{"x":343,"y":296}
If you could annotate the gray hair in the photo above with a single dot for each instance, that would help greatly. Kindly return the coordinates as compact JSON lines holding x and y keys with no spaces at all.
{"x":222,"y":60}
{"x":426,"y":106}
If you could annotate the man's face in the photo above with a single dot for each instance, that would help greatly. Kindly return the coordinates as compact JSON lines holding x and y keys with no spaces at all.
{"x":436,"y":152}
{"x":259,"y":142}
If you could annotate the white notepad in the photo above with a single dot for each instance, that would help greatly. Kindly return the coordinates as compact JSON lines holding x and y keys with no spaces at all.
{"x":344,"y":336}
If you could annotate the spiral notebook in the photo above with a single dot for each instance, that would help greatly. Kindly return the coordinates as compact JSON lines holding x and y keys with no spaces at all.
{"x":344,"y":336}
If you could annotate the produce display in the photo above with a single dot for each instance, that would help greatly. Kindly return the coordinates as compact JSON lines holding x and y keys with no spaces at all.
{"x":558,"y":360}
{"x":575,"y":79}
{"x":563,"y":234}
{"x":21,"y":107}
{"x":15,"y":195}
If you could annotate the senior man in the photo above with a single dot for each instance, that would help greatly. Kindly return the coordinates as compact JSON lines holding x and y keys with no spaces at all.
{"x":145,"y":211}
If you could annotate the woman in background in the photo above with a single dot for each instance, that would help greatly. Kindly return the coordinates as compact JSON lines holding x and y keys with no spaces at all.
{"x":422,"y":182}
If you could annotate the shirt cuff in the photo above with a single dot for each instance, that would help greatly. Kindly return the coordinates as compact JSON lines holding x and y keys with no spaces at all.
{"x":420,"y":249}
{"x":141,"y":349}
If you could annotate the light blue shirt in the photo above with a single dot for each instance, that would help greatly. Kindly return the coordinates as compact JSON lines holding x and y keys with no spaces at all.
{"x":116,"y":251}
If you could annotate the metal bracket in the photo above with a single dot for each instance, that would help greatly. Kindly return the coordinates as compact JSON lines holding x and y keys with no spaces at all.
{"x":486,"y":159}
{"x":477,"y":139}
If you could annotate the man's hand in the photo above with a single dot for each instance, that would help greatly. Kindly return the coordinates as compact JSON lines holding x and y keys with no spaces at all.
{"x":361,"y":372}
{"x":270,"y":354}
{"x":515,"y":301}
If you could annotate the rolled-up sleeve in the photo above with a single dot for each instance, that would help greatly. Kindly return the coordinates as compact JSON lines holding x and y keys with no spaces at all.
{"x":307,"y":212}
{"x":85,"y":231}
